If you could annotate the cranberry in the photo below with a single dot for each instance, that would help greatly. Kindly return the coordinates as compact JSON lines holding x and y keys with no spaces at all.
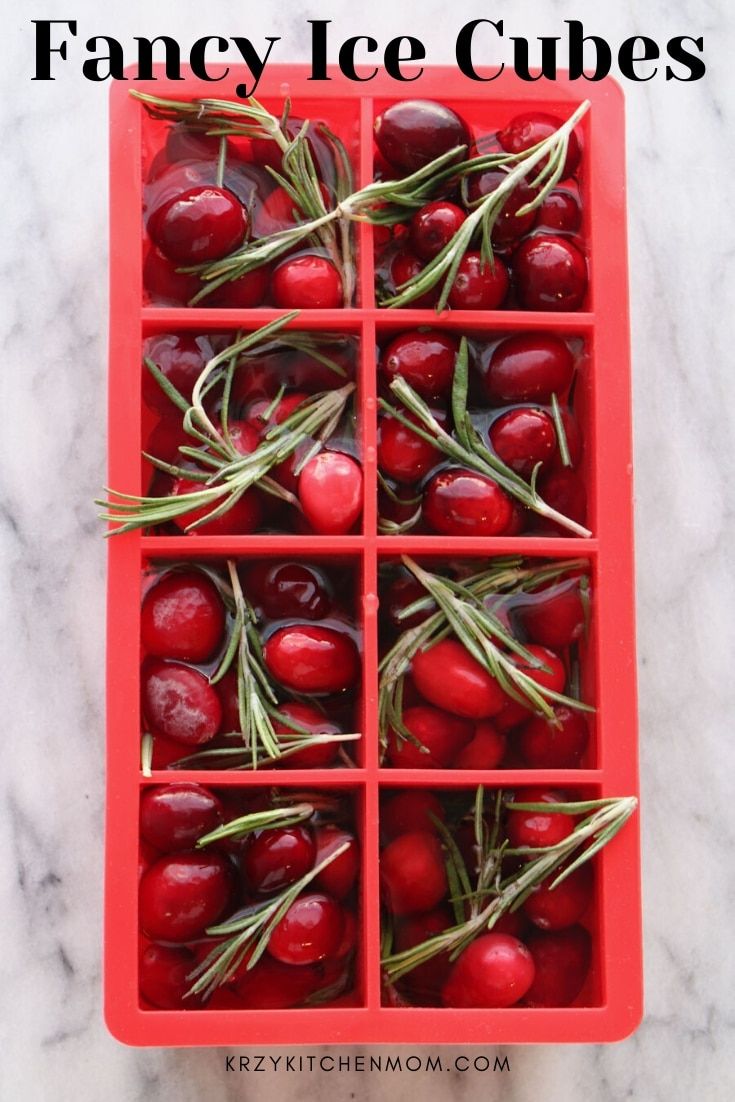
{"x":163,"y":976}
{"x":484,"y":751}
{"x":244,"y":437}
{"x":557,"y":744}
{"x":564,"y":491}
{"x":185,"y":144}
{"x":349,"y":937}
{"x":273,"y":859}
{"x":330,"y":492}
{"x":338,"y":878}
{"x":442,"y":735}
{"x":449,"y":677}
{"x":288,"y":589}
{"x":411,"y":133}
{"x":529,"y":368}
{"x":554,"y":617}
{"x":180,"y":703}
{"x":402,"y":454}
{"x":174,"y":816}
{"x":495,"y":970}
{"x":165,"y":439}
{"x":410,"y":811}
{"x":412,"y":873}
{"x":426,"y":980}
{"x":241,"y":518}
{"x":311,"y":757}
{"x":557,"y":908}
{"x":310,"y":659}
{"x":182,"y":617}
{"x":203,"y":223}
{"x":522,"y":438}
{"x":538,"y":829}
{"x":307,"y":282}
{"x":509,"y":226}
{"x":272,"y":985}
{"x":406,"y":266}
{"x":164,"y":283}
{"x":243,"y":293}
{"x":310,"y":930}
{"x":553,"y":677}
{"x":560,"y":212}
{"x":550,"y":273}
{"x":562,"y":960}
{"x":434,"y":226}
{"x":184,"y":893}
{"x":424,"y":359}
{"x":403,"y":592}
{"x":463,"y":503}
{"x":532,"y":127}
{"x":180,"y":359}
{"x":479,"y":284}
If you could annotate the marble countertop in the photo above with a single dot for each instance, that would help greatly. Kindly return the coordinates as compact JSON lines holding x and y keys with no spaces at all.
{"x":52,"y":563}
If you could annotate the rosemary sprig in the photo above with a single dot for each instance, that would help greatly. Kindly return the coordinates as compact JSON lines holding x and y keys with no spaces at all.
{"x":602,"y":821}
{"x":287,"y":816}
{"x":468,"y":449}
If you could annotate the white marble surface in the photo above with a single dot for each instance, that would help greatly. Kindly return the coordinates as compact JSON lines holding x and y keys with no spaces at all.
{"x":52,"y":380}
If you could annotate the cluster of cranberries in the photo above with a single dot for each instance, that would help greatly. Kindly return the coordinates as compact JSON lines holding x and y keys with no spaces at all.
{"x":536,"y":956}
{"x":184,"y":890}
{"x":539,"y":256}
{"x":191,"y":219}
{"x":309,"y":645}
{"x":513,"y":383}
{"x":459,"y":714}
{"x":329,"y":487}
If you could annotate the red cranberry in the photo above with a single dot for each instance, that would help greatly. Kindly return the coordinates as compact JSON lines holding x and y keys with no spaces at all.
{"x":557,"y":908}
{"x":495,"y":970}
{"x":412,"y":873}
{"x":272,"y":985}
{"x":557,"y":744}
{"x":242,"y":518}
{"x":529,"y":368}
{"x":509,"y":226}
{"x":330,"y":493}
{"x":243,"y":293}
{"x":404,"y":267}
{"x":184,"y":893}
{"x":310,"y":930}
{"x":550,"y":273}
{"x":203,"y":223}
{"x":443,"y":736}
{"x":180,"y":359}
{"x":484,"y":751}
{"x":538,"y":828}
{"x":164,"y":283}
{"x":310,"y":659}
{"x":553,"y":677}
{"x":338,"y":878}
{"x":424,"y":982}
{"x":182,"y":617}
{"x":554,"y":617}
{"x":532,"y":127}
{"x":450,"y":678}
{"x":464,"y":503}
{"x":564,"y":491}
{"x":288,"y":589}
{"x":163,"y":976}
{"x":522,"y":438}
{"x":479,"y":284}
{"x":410,"y":811}
{"x":402,"y":454}
{"x":434,"y":226}
{"x":307,"y":282}
{"x":411,"y":133}
{"x":311,"y":757}
{"x":424,"y":359}
{"x":402,"y":592}
{"x":560,"y":213}
{"x":175,"y":816}
{"x":561,"y":959}
{"x":273,"y":859}
{"x":180,"y":703}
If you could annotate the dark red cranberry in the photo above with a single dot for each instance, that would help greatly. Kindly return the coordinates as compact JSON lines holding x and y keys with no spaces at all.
{"x":552,"y":676}
{"x":311,"y":659}
{"x":409,"y":811}
{"x":424,"y":982}
{"x":441,"y":735}
{"x":180,"y":359}
{"x":162,"y":976}
{"x":554,"y":744}
{"x":554,"y":617}
{"x":479,"y":285}
{"x":184,"y":893}
{"x":434,"y":226}
{"x":314,"y":722}
{"x":402,"y":454}
{"x":550,"y":273}
{"x":532,"y":127}
{"x":182,"y":617}
{"x":272,"y":985}
{"x":288,"y":589}
{"x":402,"y":592}
{"x":538,"y":829}
{"x":242,"y":518}
{"x":424,"y":359}
{"x":203,"y":223}
{"x":574,"y":440}
{"x":243,"y":293}
{"x":273,"y":859}
{"x":485,"y":750}
{"x":563,"y":905}
{"x":560,"y":213}
{"x":464,"y":503}
{"x":310,"y":930}
{"x":164,"y":283}
{"x":529,"y":367}
{"x":412,"y":133}
{"x":522,"y":438}
{"x":413,"y":876}
{"x":180,"y":703}
{"x":509,"y":226}
{"x":405,"y":267}
{"x":175,"y":816}
{"x":308,"y":282}
{"x":339,"y":876}
{"x":564,"y":491}
{"x":165,"y":439}
{"x":562,"y":961}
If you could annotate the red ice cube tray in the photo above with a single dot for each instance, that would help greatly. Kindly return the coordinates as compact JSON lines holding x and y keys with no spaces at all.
{"x":611,"y":1006}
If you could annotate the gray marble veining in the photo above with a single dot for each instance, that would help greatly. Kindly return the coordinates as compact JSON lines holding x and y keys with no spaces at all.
{"x":681,"y":153}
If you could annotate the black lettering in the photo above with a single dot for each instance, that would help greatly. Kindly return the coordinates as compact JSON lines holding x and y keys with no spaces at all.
{"x":501,"y":1064}
{"x":319,"y":49}
{"x":394,"y":60}
{"x":145,"y":57}
{"x":325,"y":1059}
{"x":229,"y":1063}
{"x":463,"y":48}
{"x":603,"y":53}
{"x":244,"y":1063}
{"x":347,"y":56}
{"x":433,"y":1063}
{"x":693,"y":64}
{"x":198,"y":57}
{"x":115,"y":59}
{"x":259,"y":1060}
{"x":548,"y":59}
{"x":465,"y":1063}
{"x":44,"y":49}
{"x":627,"y":61}
{"x":254,"y":62}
